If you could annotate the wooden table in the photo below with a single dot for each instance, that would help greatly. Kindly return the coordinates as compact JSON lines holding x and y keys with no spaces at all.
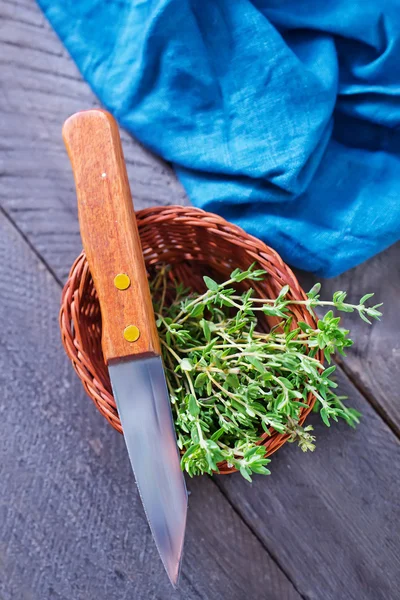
{"x":323,"y":526}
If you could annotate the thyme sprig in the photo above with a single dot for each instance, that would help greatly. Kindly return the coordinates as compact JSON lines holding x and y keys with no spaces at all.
{"x":231,"y":384}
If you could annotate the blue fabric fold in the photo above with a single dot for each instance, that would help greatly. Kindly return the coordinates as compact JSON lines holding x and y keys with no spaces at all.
{"x":282,"y":116}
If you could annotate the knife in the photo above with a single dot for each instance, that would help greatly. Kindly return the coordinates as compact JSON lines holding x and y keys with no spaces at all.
{"x":130,"y":342}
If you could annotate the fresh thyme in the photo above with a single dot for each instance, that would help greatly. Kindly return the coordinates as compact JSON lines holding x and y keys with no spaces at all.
{"x":229,"y":383}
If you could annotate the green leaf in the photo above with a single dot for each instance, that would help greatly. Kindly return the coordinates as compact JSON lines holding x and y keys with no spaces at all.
{"x":375,"y":314}
{"x":211,"y":284}
{"x":194,"y":434}
{"x":324,"y":417}
{"x":292,"y":335}
{"x":328,"y":372}
{"x":206,"y":330}
{"x":200,"y":380}
{"x":271,"y":311}
{"x":266,"y":427}
{"x":286,"y":382}
{"x":251,"y":452}
{"x":194,"y":408}
{"x":303,"y":326}
{"x":327,"y":355}
{"x":217,"y":434}
{"x":190,"y":451}
{"x":244,"y":401}
{"x":256,"y":363}
{"x":364,"y":318}
{"x":283,"y":291}
{"x":206,"y":401}
{"x":197,"y":310}
{"x":365,"y":298}
{"x":260,"y":470}
{"x":186,"y":365}
{"x":245,"y":472}
{"x":339,"y":297}
{"x":321,"y":341}
{"x":345,"y":308}
{"x":279,"y":427}
{"x":212,"y":463}
{"x":314,"y":290}
{"x":266,"y":376}
{"x":226,"y":302}
{"x":233,"y":381}
{"x":258,"y":407}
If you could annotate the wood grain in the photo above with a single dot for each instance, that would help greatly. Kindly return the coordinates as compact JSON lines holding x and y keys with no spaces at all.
{"x":373,"y":363}
{"x":71,"y":521}
{"x":110,"y":234}
{"x":39,"y":89}
{"x":331,"y":516}
{"x":37,"y":189}
{"x":305,"y":513}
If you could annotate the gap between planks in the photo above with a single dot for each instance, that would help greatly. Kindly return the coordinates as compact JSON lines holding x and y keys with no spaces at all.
{"x":369,"y":397}
{"x":220,"y":485}
{"x":251,"y":529}
{"x":340,"y":365}
{"x":30,"y":246}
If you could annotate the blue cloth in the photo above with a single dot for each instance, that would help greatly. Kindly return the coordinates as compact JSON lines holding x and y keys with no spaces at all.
{"x":281,"y":115}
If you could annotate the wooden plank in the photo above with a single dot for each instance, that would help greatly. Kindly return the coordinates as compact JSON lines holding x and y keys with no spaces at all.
{"x":330,"y":517}
{"x":71,"y":521}
{"x":373,"y":364}
{"x":33,"y":105}
{"x":26,"y":14}
{"x":42,"y":203}
{"x":39,"y":89}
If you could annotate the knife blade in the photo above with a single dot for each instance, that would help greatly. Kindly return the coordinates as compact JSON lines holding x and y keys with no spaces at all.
{"x":130,"y":342}
{"x":146,"y":419}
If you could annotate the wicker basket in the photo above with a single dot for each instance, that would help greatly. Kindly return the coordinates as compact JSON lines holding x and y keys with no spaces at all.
{"x":194,"y":243}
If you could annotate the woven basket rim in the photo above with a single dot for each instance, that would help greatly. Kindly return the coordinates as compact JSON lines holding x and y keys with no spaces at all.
{"x":78,"y":329}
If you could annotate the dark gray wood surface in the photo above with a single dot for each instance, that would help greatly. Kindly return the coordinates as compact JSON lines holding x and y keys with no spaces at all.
{"x":374,"y":363}
{"x":71,"y":520}
{"x":323,"y":526}
{"x":330,"y":516}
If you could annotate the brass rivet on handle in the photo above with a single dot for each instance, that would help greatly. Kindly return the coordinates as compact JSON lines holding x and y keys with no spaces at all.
{"x":131,"y":333}
{"x":122,"y":281}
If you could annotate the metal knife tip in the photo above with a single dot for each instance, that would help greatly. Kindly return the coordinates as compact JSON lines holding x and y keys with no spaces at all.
{"x":172,"y":558}
{"x":173,"y":572}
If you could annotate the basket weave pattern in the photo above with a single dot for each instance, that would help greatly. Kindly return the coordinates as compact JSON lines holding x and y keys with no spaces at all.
{"x":194,"y":243}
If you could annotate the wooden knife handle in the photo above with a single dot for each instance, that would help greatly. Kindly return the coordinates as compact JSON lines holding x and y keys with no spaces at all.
{"x":110,"y":235}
